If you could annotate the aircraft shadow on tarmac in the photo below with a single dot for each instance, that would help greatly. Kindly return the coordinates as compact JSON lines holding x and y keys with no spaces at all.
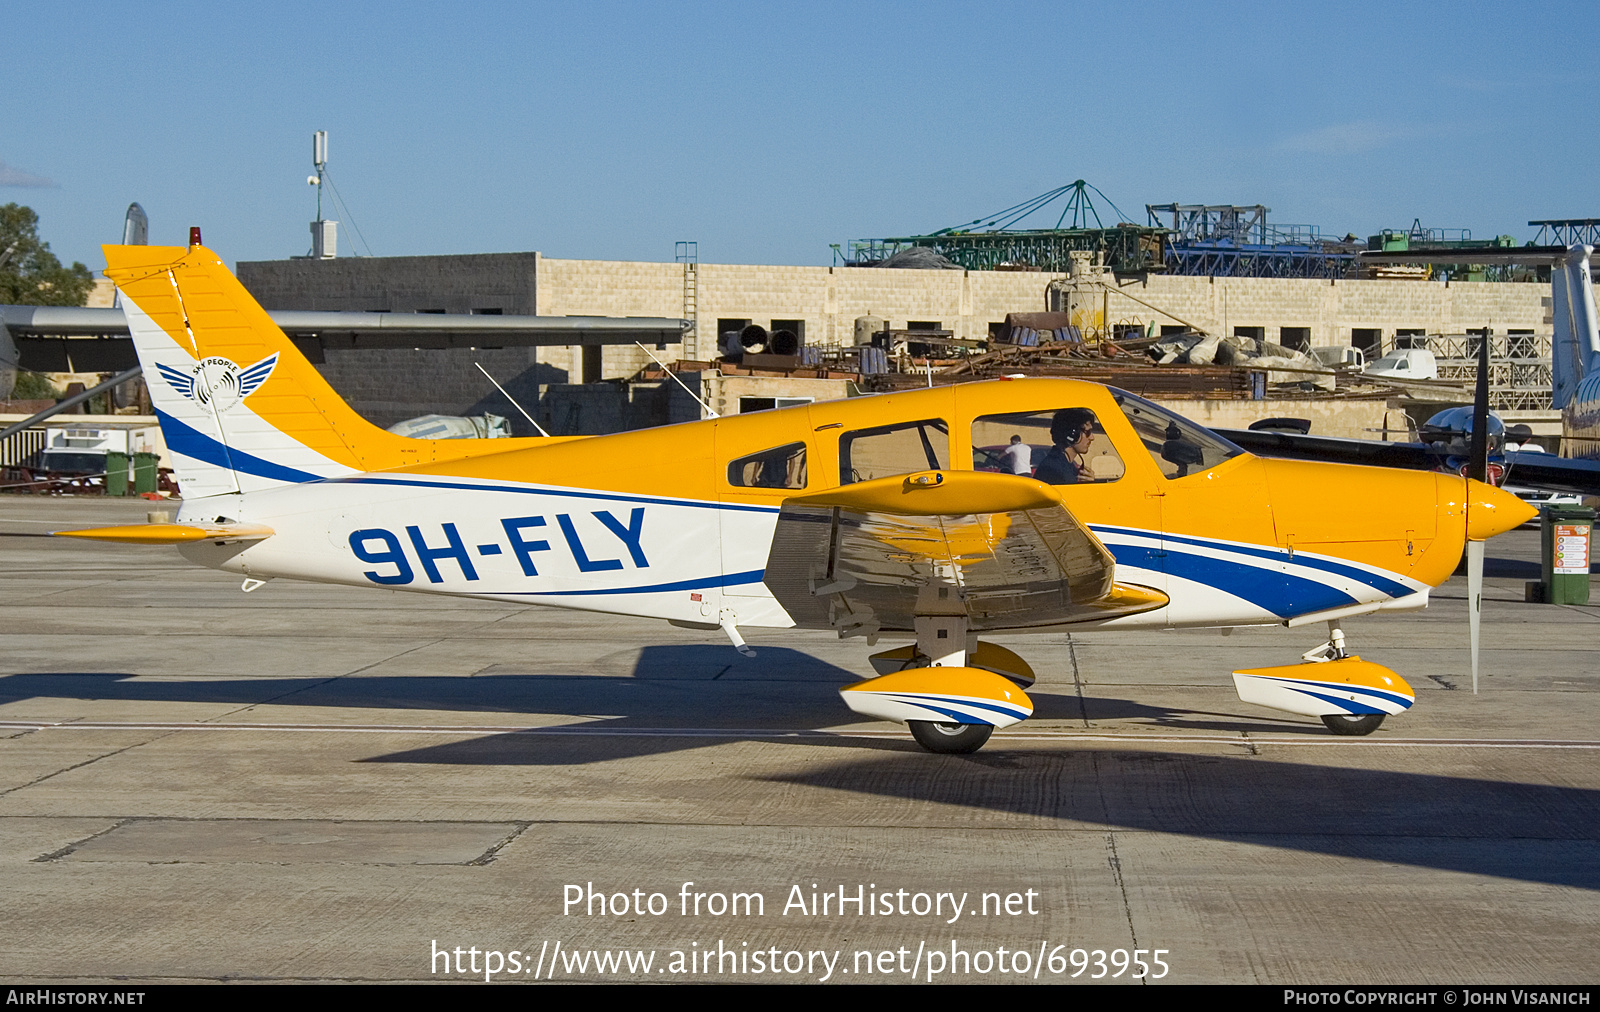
{"x":1528,"y":832}
{"x":1531,"y":832}
{"x":672,"y":687}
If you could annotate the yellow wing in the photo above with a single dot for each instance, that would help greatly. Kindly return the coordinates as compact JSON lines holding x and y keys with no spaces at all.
{"x":1003,"y":549}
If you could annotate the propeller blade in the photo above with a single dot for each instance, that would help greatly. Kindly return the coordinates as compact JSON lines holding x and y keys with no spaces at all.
{"x":1474,"y":602}
{"x":1477,"y":470}
{"x":1478,"y":463}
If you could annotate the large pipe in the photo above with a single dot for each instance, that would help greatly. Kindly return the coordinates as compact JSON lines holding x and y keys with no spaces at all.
{"x":72,"y":402}
{"x":78,"y":321}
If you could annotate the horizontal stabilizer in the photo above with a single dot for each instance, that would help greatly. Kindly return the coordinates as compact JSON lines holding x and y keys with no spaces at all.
{"x":171,"y":534}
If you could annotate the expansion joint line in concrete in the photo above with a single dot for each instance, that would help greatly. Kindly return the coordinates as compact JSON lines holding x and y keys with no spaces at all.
{"x":1115,"y":861}
{"x":56,"y":855}
{"x":86,"y":762}
{"x":1077,"y":680}
{"x":493,"y":852}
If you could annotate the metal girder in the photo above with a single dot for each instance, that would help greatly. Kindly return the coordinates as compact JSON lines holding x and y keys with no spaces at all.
{"x":1128,"y":249}
{"x":1223,"y":262}
{"x":1528,"y":255}
{"x":1569,"y":231}
{"x":379,"y":330}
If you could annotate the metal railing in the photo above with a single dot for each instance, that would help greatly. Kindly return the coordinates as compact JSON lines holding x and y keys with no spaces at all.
{"x":20,"y":448}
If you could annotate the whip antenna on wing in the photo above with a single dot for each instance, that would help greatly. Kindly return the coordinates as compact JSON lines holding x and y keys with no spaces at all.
{"x":678,"y":381}
{"x":512,"y":399}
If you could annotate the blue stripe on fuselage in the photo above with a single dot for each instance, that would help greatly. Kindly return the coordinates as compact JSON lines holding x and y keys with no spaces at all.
{"x":703,"y":583}
{"x":1281,"y":594}
{"x":367,"y":479}
{"x":1377,"y":582}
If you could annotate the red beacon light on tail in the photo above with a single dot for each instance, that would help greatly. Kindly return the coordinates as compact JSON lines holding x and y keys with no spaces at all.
{"x":194,"y":235}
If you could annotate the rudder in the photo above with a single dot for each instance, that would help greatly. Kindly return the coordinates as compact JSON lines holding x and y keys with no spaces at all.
{"x":241,"y":408}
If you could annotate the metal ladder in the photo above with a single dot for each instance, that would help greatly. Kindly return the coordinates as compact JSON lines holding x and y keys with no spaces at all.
{"x":688,"y":254}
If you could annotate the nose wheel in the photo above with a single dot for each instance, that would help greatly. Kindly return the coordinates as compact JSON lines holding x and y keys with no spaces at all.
{"x":950,"y":739}
{"x":1352,"y":724}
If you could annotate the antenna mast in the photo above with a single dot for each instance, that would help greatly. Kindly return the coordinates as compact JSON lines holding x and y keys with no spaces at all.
{"x":324,"y":234}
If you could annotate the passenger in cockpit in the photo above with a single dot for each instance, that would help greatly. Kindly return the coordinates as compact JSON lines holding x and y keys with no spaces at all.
{"x":1071,"y":430}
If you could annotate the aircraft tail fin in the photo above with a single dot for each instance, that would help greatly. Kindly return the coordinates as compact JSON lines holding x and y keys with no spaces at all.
{"x":1575,"y":350}
{"x":241,"y":408}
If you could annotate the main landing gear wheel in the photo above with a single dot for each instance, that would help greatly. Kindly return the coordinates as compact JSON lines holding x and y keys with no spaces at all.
{"x":1351,"y":723}
{"x":952,"y":739}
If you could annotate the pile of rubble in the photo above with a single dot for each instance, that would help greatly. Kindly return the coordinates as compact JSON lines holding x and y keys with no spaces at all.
{"x":1281,"y":364}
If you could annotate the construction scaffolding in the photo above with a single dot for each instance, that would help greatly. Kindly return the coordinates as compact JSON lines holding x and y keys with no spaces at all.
{"x":1235,"y":241}
{"x":1567,"y":232}
{"x":993,"y":243}
{"x":1519,"y":366}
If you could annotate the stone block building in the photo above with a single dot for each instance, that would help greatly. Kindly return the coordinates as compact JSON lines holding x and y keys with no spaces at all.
{"x":820,"y":304}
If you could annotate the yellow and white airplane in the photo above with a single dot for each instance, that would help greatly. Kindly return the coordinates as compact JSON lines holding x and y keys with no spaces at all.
{"x":933,"y":516}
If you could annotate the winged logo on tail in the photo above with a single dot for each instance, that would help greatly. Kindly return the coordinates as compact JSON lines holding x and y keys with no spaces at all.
{"x":218,"y":382}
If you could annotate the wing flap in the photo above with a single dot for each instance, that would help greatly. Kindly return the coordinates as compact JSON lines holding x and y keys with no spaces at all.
{"x":865,"y":556}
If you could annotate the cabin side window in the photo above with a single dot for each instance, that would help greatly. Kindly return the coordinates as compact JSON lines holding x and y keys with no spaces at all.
{"x":1178,"y":446}
{"x":865,"y":454}
{"x":1066,"y":446}
{"x":780,"y":467}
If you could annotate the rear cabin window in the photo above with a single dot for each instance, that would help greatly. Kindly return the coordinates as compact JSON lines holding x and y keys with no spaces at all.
{"x":865,"y":454}
{"x":1065,"y":446}
{"x":780,"y":467}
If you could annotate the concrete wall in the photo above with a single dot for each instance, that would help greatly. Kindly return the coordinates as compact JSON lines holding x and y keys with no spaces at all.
{"x":723,"y":392}
{"x":599,"y":408}
{"x":609,"y":288}
{"x":453,"y":284}
{"x":103,"y":295}
{"x":389,"y":386}
{"x":1331,"y":309}
{"x":1345,"y":419}
{"x":829,"y":299}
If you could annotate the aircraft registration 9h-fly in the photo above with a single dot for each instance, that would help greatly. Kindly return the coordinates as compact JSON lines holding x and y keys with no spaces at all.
{"x":933,"y":516}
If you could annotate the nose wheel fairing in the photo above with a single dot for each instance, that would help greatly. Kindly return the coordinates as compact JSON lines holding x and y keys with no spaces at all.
{"x":1349,"y":686}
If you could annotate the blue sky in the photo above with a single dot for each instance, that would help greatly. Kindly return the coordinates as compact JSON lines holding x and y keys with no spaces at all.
{"x":767,"y":131}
